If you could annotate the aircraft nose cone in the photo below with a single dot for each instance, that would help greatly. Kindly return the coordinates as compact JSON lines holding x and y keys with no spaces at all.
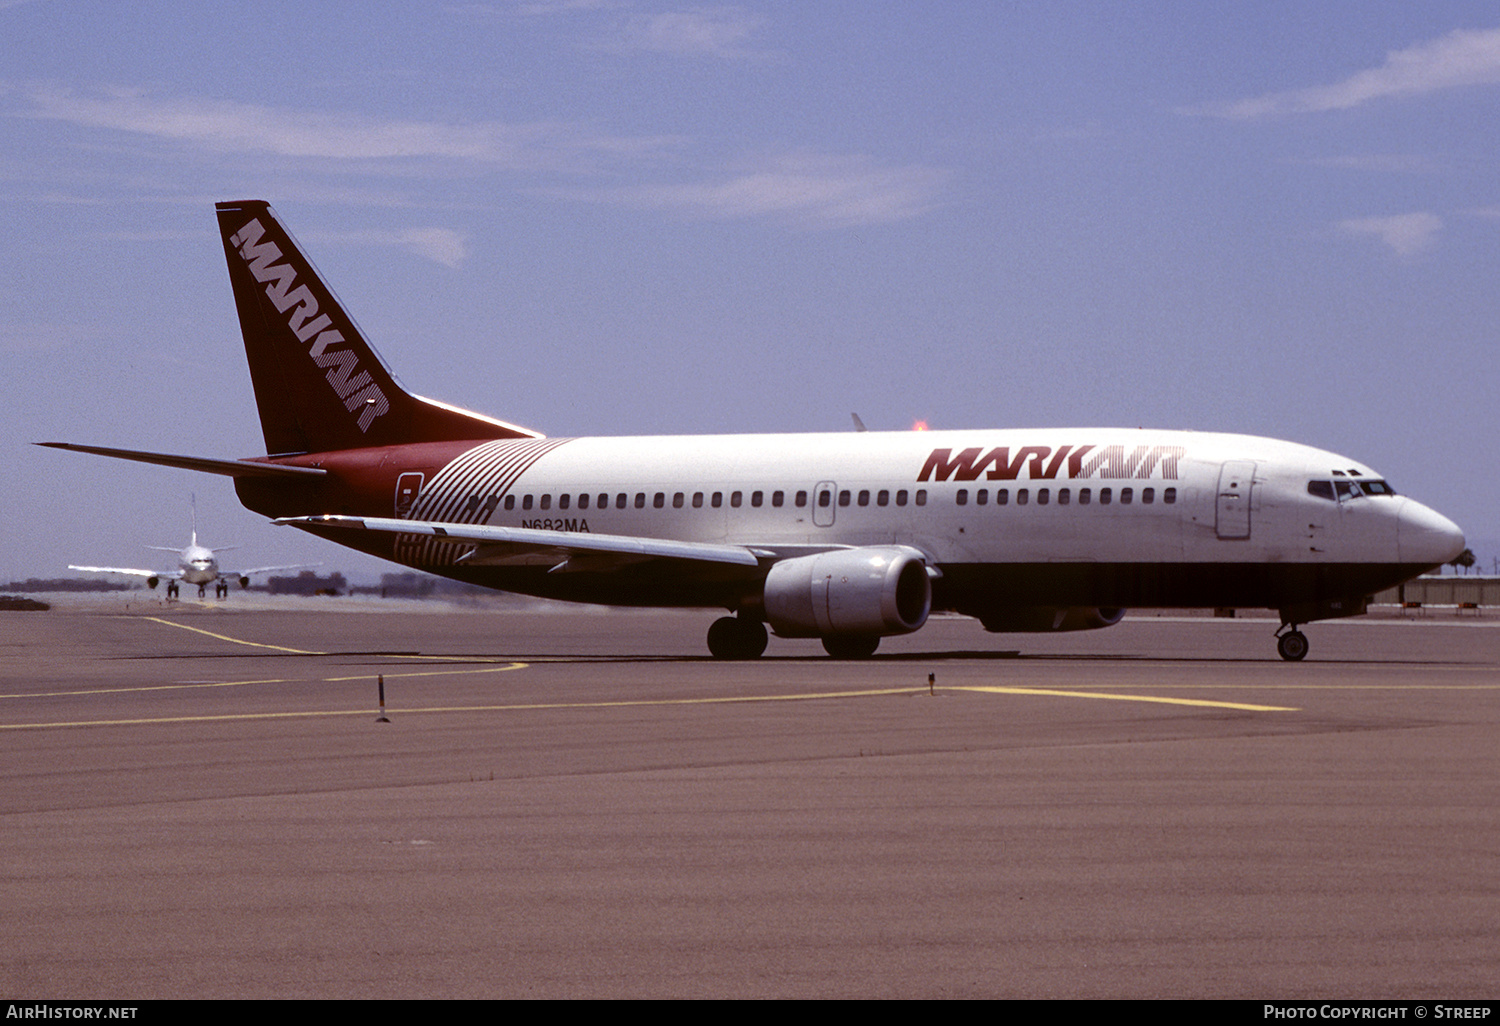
{"x":1424,"y":536}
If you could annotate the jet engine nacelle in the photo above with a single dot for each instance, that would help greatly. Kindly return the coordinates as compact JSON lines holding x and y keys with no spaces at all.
{"x":876,"y":590}
{"x":244,"y":582}
{"x":1046,"y":619}
{"x":152,"y":582}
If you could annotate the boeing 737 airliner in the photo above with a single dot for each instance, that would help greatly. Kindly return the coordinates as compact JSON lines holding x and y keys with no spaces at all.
{"x":842,"y":537}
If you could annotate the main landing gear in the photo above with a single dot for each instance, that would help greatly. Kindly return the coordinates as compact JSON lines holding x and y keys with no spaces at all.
{"x":739,"y":637}
{"x":221,"y":589}
{"x":1291,"y":643}
{"x":736,"y":637}
{"x":171,"y":591}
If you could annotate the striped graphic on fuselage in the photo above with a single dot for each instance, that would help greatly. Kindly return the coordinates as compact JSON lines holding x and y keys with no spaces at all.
{"x":467,"y":491}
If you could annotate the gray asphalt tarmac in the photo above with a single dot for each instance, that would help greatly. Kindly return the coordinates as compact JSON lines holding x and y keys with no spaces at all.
{"x":197,"y":801}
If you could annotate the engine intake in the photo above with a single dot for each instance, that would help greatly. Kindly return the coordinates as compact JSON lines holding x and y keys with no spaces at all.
{"x":876,"y":590}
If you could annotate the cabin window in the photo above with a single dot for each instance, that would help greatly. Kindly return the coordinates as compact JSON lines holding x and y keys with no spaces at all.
{"x":717,"y":500}
{"x":1126,"y":494}
{"x":510,"y":502}
{"x":901,"y":497}
{"x":864,"y":496}
{"x":658,"y":500}
{"x":883,"y":497}
{"x":677,"y":500}
{"x":1148,"y":496}
{"x":546,"y":502}
{"x":777,"y":499}
{"x":844,"y":496}
{"x":961,"y":498}
{"x":735,"y":498}
{"x":472,"y":504}
{"x":982,"y":496}
{"x":1063,"y":498}
{"x":757,"y":498}
{"x":621,"y":500}
{"x":583,"y":501}
{"x":603,"y":502}
{"x":563,"y":501}
{"x":825,"y":499}
{"x":1169,"y":496}
{"x":1346,"y":490}
{"x":1002,"y":497}
{"x":801,"y":499}
{"x":921,"y":496}
{"x":697,"y":500}
{"x":1104,"y":496}
{"x":525,"y":502}
{"x":1083,"y":496}
{"x":1022,"y":497}
{"x":640,"y":500}
{"x":1041,"y":496}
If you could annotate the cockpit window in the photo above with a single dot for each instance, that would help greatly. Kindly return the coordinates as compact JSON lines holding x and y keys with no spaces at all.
{"x":1344,"y":490}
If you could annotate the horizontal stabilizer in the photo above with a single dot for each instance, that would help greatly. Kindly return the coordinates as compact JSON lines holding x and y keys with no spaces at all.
{"x":229,"y":468}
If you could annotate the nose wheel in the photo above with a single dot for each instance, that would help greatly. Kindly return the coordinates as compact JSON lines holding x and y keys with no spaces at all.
{"x":1292,"y":644}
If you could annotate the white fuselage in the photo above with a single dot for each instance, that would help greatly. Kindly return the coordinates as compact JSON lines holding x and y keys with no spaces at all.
{"x":1106,"y":495}
{"x":198,"y":565}
{"x":1067,"y":517}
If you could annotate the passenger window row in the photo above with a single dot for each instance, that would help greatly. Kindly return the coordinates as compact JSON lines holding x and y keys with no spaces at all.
{"x":825,"y":498}
{"x":1065,"y":496}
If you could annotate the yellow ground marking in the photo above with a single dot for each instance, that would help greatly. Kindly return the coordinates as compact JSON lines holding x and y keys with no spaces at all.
{"x":632,"y":703}
{"x":499,"y":667}
{"x":995,"y":689}
{"x":513,"y":707}
{"x":302,"y":651}
{"x":225,"y":637}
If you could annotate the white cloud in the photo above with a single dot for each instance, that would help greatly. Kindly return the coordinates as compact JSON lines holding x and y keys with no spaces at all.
{"x":443,"y":245}
{"x":715,"y":32}
{"x":809,"y":190}
{"x":440,"y":245}
{"x":1461,"y":58}
{"x":227,"y":126}
{"x":1406,"y":234}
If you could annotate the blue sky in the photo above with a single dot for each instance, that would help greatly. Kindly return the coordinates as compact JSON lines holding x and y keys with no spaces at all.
{"x":635,"y":217}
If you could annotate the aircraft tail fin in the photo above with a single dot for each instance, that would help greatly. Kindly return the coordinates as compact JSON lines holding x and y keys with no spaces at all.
{"x":319,"y":384}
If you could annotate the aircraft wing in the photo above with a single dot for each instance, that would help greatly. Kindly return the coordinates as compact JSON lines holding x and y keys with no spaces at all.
{"x":267,"y":569}
{"x":166,"y":575}
{"x":573,"y":550}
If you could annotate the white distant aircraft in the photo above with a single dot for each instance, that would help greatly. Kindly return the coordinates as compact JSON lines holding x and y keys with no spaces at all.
{"x":843,"y":537}
{"x":196,"y":564}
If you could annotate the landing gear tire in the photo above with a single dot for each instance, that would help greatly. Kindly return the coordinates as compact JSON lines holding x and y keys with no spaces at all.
{"x":171,"y":590}
{"x":1292,"y":646}
{"x":851,"y":646}
{"x":735,"y":637}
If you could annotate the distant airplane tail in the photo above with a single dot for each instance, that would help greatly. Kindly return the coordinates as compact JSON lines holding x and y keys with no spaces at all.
{"x":319,"y":384}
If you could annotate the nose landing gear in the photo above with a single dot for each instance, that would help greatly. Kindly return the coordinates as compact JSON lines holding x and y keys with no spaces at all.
{"x":1291,"y":643}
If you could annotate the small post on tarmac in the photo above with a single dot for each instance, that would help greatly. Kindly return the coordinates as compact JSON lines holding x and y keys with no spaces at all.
{"x":932,"y":684}
{"x":380,"y":686}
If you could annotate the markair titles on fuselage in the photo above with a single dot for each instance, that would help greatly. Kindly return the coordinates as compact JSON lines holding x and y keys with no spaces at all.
{"x":843,"y":537}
